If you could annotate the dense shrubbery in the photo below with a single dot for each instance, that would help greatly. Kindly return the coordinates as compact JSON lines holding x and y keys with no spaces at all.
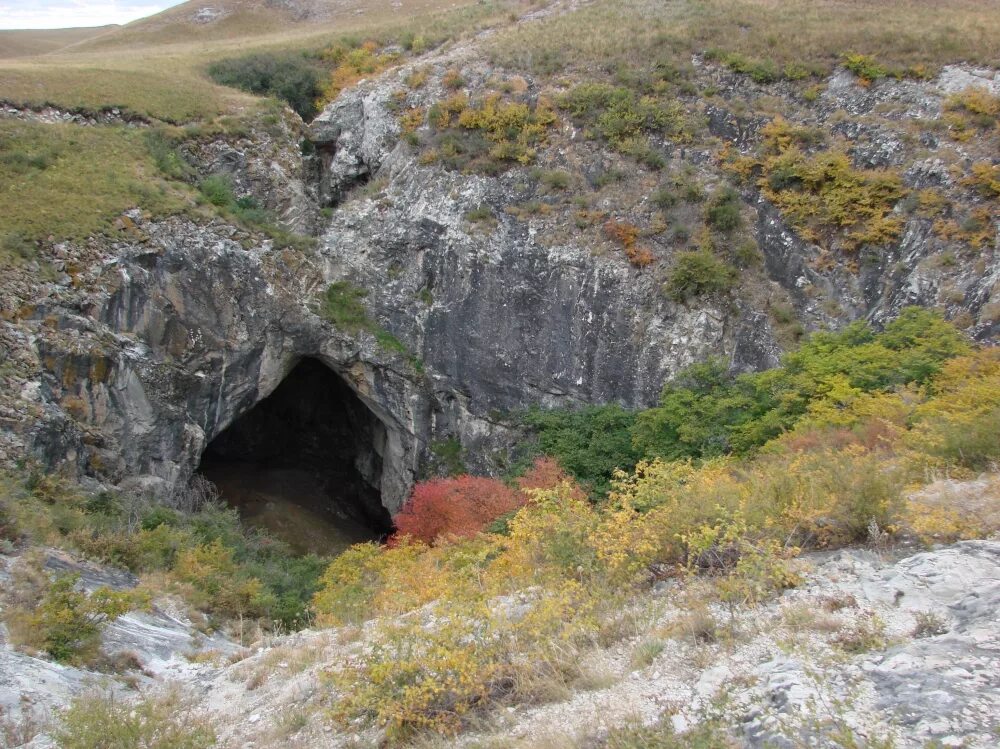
{"x":860,"y":413}
{"x":707,"y":411}
{"x":822,"y":194}
{"x":293,"y":78}
{"x":460,"y":506}
{"x":207,"y":555}
{"x":488,"y":135}
{"x":591,"y":443}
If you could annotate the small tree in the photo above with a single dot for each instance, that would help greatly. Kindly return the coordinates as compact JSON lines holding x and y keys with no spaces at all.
{"x":68,"y":622}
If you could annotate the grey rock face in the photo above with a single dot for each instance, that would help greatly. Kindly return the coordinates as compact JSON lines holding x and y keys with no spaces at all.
{"x":129,"y":370}
{"x":186,"y":332}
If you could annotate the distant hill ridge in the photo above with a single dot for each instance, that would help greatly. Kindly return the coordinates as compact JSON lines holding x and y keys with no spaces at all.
{"x":226,"y":19}
{"x":28,"y":42}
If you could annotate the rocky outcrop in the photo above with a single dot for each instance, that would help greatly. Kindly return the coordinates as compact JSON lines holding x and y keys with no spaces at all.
{"x":181,"y":334}
{"x":135,"y":353}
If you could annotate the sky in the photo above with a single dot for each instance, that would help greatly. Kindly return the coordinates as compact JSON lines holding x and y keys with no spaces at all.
{"x":61,"y":14}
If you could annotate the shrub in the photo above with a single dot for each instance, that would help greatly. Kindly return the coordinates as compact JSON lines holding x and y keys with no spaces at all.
{"x":481,"y":214}
{"x":348,"y":586}
{"x":698,"y":272}
{"x":55,"y":616}
{"x":822,"y":195}
{"x":973,"y":109}
{"x":761,"y":71}
{"x":448,"y":454}
{"x":352,"y":62}
{"x":865,"y":68}
{"x":556,"y":179}
{"x":167,"y":158}
{"x":9,"y":527}
{"x":546,"y":473}
{"x":104,"y":721}
{"x":590,"y":443}
{"x":461,"y":506}
{"x":723,"y":212}
{"x":453,"y":79}
{"x":488,"y":135}
{"x":290,"y":77}
{"x":218,"y":190}
{"x":217,"y":582}
{"x":624,"y":118}
{"x":343,"y":306}
{"x":625,"y":234}
{"x":985,"y":179}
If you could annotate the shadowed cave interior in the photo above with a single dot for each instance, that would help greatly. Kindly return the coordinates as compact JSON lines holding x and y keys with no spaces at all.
{"x":305,"y":463}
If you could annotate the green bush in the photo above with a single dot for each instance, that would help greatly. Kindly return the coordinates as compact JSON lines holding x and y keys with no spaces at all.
{"x":698,"y":272}
{"x":343,"y":305}
{"x":865,"y":67}
{"x":623,"y":117}
{"x":707,"y":411}
{"x":168,"y":160}
{"x":218,"y":190}
{"x":761,"y":71}
{"x":590,"y":443}
{"x":56,"y":616}
{"x":104,"y":721}
{"x":295,"y":79}
{"x":723,"y":213}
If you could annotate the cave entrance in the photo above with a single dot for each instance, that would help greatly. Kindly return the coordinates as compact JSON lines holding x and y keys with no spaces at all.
{"x":305,"y":463}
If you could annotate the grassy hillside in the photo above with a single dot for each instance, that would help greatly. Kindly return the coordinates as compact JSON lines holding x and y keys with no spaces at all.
{"x":29,"y":42}
{"x":769,"y":40}
{"x":142,"y":69}
{"x":155,"y":67}
{"x":237,"y":19}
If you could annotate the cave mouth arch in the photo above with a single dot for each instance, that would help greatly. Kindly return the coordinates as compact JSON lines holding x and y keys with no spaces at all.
{"x":305,"y":463}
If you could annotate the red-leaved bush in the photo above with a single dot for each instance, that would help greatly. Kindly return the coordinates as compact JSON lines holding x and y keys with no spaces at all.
{"x":546,"y":473}
{"x":460,"y":506}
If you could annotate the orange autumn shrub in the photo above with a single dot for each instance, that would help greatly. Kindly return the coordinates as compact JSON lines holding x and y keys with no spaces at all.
{"x":460,"y":506}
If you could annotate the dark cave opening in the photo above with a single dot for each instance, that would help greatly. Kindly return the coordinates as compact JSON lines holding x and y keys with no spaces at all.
{"x":305,"y":463}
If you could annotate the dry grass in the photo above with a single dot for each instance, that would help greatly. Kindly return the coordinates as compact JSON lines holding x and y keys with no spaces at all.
{"x":28,"y":42}
{"x":180,"y":95}
{"x":156,"y":67}
{"x":813,"y":34}
{"x":259,"y":18}
{"x":285,"y":660}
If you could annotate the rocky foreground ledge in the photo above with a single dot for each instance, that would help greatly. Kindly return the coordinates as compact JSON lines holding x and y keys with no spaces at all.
{"x":899,"y":649}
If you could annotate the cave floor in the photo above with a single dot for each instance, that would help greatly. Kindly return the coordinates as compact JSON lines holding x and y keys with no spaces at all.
{"x":288,"y":503}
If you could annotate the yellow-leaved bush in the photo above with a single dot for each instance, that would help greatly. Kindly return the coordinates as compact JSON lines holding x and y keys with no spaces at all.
{"x":503,"y":618}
